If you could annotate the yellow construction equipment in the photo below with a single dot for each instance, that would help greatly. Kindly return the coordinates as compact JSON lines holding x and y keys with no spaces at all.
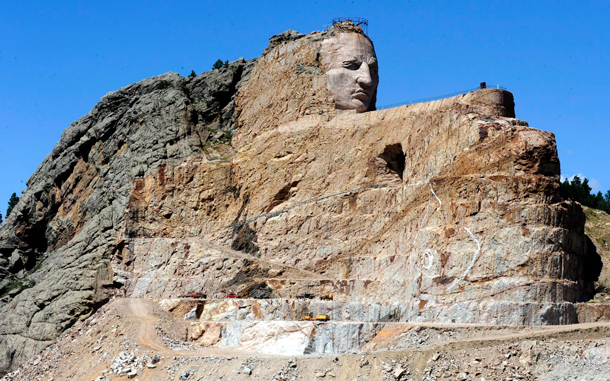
{"x":326,"y":297}
{"x":308,"y":317}
{"x":322,"y":317}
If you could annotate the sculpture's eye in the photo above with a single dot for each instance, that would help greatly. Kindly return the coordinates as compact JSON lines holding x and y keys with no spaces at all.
{"x":373,"y":65}
{"x":351,"y":65}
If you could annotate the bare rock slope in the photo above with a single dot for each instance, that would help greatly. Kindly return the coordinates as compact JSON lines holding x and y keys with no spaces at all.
{"x":57,"y":245}
{"x":449,"y":211}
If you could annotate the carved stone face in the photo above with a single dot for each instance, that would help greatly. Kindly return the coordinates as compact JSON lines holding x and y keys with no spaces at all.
{"x":352,"y":71}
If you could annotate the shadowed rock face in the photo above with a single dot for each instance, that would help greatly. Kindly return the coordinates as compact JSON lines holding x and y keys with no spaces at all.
{"x":449,"y":210}
{"x":57,"y":246}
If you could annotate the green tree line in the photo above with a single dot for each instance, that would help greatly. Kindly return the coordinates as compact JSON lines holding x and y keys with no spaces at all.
{"x":579,"y":190}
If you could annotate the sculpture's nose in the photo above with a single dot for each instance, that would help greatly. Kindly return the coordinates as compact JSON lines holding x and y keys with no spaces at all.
{"x":364,"y":75}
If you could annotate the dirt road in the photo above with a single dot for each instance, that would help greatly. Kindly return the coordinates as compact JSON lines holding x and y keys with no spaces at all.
{"x":137,"y":329}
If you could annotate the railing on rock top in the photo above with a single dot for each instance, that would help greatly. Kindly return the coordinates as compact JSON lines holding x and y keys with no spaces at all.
{"x":483,"y":86}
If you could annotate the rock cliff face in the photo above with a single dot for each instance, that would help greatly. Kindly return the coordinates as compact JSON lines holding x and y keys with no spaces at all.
{"x":449,"y":209}
{"x":57,"y":246}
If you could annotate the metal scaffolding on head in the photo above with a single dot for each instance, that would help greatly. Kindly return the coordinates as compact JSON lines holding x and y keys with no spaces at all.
{"x":343,"y":23}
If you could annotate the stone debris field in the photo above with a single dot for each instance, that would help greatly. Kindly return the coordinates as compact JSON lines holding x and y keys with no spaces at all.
{"x":126,"y":340}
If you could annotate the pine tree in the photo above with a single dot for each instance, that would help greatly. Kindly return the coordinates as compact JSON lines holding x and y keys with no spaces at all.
{"x":193,"y":74}
{"x":0,"y":217}
{"x":11,"y":203}
{"x":580,"y":190}
{"x":218,"y":64}
{"x":598,"y":201}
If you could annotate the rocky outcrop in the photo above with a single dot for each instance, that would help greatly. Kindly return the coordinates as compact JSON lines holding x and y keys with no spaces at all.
{"x":449,"y":210}
{"x":597,"y":228}
{"x":58,"y":244}
{"x":286,"y":338}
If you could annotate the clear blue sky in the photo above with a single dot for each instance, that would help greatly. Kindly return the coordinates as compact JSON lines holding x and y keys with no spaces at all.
{"x":57,"y":59}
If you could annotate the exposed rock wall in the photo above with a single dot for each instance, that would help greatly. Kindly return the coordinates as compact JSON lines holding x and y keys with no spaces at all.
{"x":286,"y":338}
{"x":287,"y":83}
{"x":475,"y":211}
{"x":447,"y":202}
{"x":57,"y":246}
{"x":493,"y":312}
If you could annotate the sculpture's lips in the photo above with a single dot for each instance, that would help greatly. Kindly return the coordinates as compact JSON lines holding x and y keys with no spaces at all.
{"x":361,"y":94}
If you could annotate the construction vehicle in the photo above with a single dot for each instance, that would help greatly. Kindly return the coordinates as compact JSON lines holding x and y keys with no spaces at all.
{"x":308,"y":317}
{"x":305,"y":296}
{"x":326,"y":297}
{"x":195,"y":295}
{"x":322,"y":317}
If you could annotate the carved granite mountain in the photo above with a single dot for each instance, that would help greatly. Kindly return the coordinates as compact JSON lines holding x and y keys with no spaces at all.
{"x":441,"y":211}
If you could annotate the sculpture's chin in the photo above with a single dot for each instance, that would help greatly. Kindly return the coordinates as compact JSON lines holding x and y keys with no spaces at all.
{"x":361,"y":106}
{"x":354,"y":104}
